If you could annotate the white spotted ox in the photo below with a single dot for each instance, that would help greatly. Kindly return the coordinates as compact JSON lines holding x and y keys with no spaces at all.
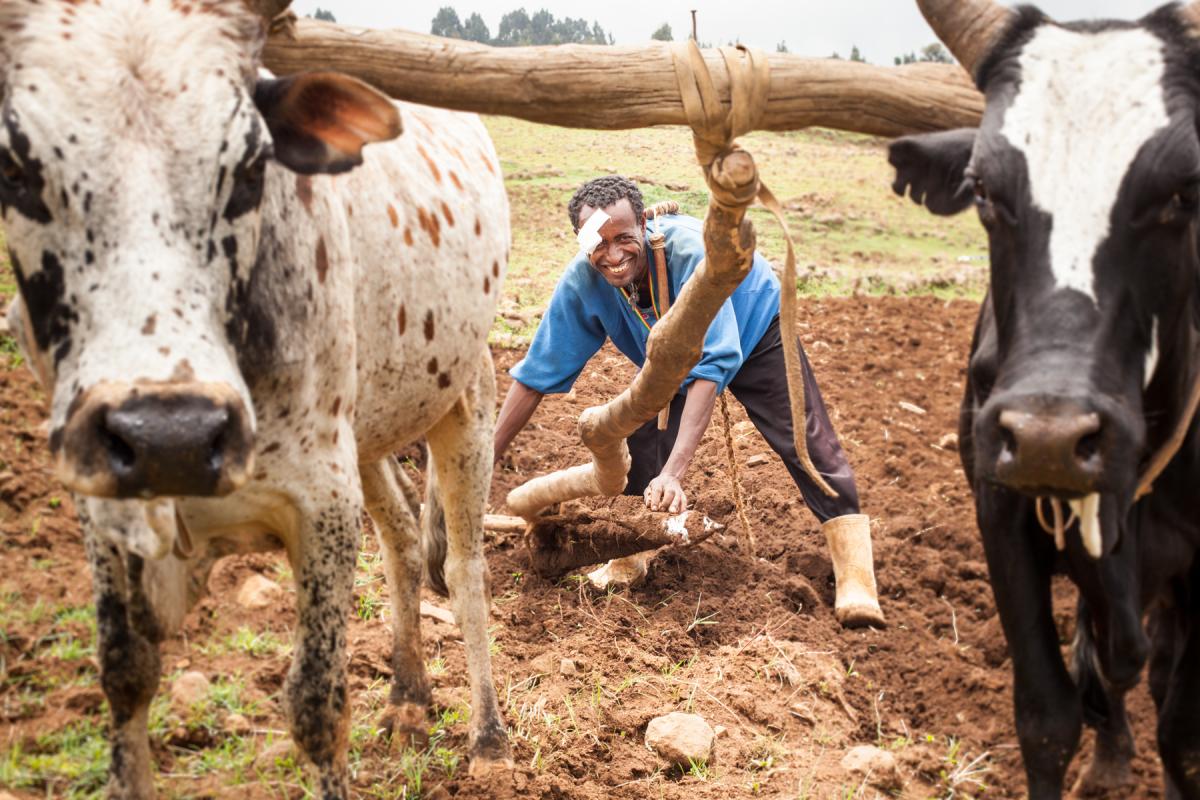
{"x":235,"y":339}
{"x":1086,"y":360}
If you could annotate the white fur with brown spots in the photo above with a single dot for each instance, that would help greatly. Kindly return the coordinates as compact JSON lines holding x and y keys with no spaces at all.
{"x":177,"y":273}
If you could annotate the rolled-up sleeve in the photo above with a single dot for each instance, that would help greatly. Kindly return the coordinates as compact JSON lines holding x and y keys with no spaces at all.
{"x":568,"y":336}
{"x":722,"y":356}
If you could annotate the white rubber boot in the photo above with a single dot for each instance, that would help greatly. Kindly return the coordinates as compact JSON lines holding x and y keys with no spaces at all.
{"x":849,"y":539}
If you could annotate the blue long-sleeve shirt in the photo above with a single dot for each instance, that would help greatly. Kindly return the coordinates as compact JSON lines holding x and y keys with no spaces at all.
{"x":585,"y":310}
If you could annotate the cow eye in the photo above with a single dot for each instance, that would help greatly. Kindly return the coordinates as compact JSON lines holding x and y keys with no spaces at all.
{"x":1186,"y":200}
{"x":12,"y":176}
{"x":981,"y":192}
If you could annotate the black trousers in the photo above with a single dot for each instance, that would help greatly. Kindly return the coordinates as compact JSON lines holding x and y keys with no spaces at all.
{"x":761,"y":387}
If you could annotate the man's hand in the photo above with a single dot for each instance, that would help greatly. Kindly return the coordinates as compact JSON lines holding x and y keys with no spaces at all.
{"x":665,"y":492}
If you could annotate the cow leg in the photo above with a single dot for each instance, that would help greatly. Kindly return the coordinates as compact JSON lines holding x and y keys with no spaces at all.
{"x":316,"y":692}
{"x":1048,"y":709}
{"x":461,"y":445}
{"x":1104,"y":709}
{"x":1179,"y":710}
{"x":389,"y":496}
{"x":130,"y":666}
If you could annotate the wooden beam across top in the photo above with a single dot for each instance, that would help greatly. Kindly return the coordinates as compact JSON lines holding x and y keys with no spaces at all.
{"x":634,"y":86}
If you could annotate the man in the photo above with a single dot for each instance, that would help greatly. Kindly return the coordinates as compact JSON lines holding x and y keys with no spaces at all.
{"x":608,"y":291}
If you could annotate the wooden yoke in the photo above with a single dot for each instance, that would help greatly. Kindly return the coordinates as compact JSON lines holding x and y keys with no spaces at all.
{"x":621,"y":87}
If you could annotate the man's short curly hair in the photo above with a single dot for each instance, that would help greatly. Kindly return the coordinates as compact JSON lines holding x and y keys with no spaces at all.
{"x":602,"y":192}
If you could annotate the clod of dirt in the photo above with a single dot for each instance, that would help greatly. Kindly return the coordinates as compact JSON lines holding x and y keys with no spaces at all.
{"x":876,"y":766}
{"x":259,"y":592}
{"x":237,"y":724}
{"x":277,"y":752}
{"x":568,"y":667}
{"x":681,"y":739}
{"x":188,"y":689}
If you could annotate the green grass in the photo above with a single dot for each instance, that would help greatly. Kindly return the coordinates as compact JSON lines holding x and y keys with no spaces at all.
{"x":71,"y":763}
{"x":259,"y":644}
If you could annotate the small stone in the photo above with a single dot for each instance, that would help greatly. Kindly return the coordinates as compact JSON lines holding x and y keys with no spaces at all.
{"x":259,"y":592}
{"x":949,"y":441}
{"x":188,"y":689}
{"x":720,"y":731}
{"x":680,"y":738}
{"x":757,"y":460}
{"x":542,"y":664}
{"x":912,"y":408}
{"x":279,"y":751}
{"x":876,"y":766}
{"x":237,"y":723}
{"x":567,"y":667}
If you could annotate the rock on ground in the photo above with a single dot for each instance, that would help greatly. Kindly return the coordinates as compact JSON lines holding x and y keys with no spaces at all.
{"x":188,"y":689}
{"x":680,"y":738}
{"x":259,"y":592}
{"x":877,"y":766}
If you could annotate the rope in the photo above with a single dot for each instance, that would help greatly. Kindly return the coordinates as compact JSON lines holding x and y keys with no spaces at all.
{"x":747,"y":537}
{"x":1162,"y":458}
{"x":713,"y":133}
{"x":1059,"y":528}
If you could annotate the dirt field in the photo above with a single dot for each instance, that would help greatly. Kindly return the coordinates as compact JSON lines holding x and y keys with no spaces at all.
{"x":749,"y":644}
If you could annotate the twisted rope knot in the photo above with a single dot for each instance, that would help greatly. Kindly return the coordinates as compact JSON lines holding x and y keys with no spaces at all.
{"x":732,"y":178}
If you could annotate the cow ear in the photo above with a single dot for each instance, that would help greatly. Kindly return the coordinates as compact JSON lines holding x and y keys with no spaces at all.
{"x":930,"y":167}
{"x":321,"y":120}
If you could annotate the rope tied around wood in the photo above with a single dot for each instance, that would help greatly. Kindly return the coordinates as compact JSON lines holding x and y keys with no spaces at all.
{"x":714,"y":132}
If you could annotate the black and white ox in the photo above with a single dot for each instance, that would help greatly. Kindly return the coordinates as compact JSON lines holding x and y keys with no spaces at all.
{"x":236,"y":336}
{"x":1085,"y":172}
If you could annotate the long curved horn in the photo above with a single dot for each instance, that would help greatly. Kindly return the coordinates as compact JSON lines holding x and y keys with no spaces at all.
{"x":968,"y":27}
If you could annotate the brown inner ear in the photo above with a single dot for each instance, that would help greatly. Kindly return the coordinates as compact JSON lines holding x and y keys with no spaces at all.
{"x":341,"y":111}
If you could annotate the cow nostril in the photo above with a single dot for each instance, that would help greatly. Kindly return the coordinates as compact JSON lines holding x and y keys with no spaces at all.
{"x":1008,"y":442}
{"x":120,"y":455}
{"x":216,"y":450}
{"x":1088,"y":446}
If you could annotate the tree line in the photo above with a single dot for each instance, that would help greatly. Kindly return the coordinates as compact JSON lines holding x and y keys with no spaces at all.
{"x":518,"y":28}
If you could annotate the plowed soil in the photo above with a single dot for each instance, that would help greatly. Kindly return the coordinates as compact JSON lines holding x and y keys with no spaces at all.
{"x":749,"y":643}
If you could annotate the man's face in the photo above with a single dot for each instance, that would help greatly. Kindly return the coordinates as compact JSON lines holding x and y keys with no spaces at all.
{"x":621,"y":255}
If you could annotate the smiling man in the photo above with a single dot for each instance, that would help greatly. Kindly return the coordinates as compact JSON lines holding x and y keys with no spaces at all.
{"x":609,"y":292}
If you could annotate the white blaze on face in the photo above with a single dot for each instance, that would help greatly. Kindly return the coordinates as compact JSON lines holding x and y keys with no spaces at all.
{"x":1086,"y":105}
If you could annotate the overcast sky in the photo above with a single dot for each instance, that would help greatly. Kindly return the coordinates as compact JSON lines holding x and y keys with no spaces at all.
{"x":882,"y":29}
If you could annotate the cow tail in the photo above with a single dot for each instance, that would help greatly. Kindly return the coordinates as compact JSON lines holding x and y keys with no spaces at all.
{"x":1090,"y":682}
{"x":433,"y":532}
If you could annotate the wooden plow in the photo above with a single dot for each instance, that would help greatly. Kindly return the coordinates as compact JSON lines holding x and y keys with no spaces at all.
{"x":721,"y":94}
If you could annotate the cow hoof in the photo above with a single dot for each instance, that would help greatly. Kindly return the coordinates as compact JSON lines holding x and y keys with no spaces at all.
{"x":405,"y":725}
{"x":860,"y":615}
{"x":484,"y":766}
{"x":1103,"y":777}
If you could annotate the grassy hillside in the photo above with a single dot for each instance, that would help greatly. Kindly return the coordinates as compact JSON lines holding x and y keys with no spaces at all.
{"x":852,"y":232}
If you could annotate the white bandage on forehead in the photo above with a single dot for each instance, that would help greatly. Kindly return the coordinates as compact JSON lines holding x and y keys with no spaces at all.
{"x":589,"y":235}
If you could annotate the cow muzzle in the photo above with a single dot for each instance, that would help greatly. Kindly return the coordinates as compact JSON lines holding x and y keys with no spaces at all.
{"x":160,"y":439}
{"x":1054,"y":451}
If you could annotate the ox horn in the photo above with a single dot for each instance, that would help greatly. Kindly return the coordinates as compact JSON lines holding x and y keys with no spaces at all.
{"x":268,"y":9}
{"x":969,"y":28}
{"x":1191,"y":14}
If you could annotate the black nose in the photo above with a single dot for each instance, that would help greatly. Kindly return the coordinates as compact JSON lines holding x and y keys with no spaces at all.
{"x":1050,"y":450}
{"x":174,"y":440}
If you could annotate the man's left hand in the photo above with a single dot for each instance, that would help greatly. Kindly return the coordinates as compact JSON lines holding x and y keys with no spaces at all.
{"x":666,"y":493}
